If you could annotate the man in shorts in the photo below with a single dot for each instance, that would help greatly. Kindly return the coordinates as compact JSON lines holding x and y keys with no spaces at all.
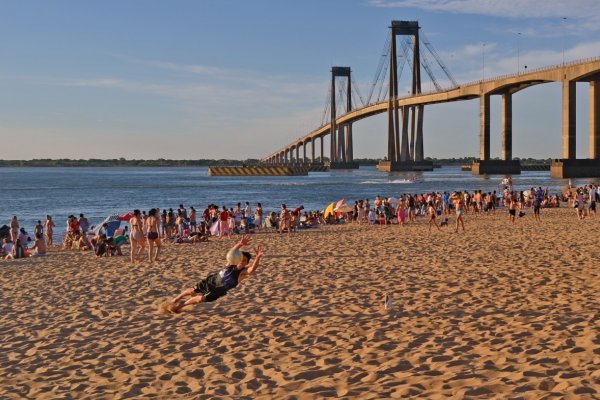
{"x":217,"y":284}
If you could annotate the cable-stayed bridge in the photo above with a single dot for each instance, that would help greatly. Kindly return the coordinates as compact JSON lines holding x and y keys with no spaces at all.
{"x":405,"y":114}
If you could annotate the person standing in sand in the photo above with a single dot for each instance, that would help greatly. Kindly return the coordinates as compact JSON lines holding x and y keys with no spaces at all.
{"x":217,"y":284}
{"x":151,"y":224}
{"x":460,"y":210}
{"x":258,"y":216}
{"x":512,"y":208}
{"x":39,"y":228}
{"x":285,"y":220}
{"x":432,"y":216}
{"x":14,"y":229}
{"x":49,"y":225}
{"x":137,"y":236}
{"x":223,"y":223}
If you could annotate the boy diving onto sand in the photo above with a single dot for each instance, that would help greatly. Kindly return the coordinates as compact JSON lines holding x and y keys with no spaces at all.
{"x":217,"y":284}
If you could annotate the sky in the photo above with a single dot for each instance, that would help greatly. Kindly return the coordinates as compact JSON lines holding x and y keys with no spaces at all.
{"x":240,"y":79}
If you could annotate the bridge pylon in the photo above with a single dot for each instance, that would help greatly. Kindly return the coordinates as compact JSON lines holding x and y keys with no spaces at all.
{"x":403,"y":155}
{"x":341,"y":147}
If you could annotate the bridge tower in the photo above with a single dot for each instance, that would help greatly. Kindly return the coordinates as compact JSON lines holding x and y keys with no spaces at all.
{"x":403,"y":155}
{"x":341,"y":148}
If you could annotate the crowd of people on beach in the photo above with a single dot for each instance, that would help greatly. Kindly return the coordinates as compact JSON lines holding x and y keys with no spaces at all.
{"x":148,"y":231}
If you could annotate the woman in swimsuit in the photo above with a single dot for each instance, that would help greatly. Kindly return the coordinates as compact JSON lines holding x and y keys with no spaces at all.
{"x":14,"y":229}
{"x":432,"y":214}
{"x":137,"y":236}
{"x":48,"y":225}
{"x":152,"y":235}
{"x":258,"y":216}
{"x":285,"y":220}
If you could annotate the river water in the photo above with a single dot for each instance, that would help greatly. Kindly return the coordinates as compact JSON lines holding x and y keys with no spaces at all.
{"x":31,"y":193}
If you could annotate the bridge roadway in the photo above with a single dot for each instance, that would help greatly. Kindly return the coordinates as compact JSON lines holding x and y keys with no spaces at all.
{"x":577,"y":71}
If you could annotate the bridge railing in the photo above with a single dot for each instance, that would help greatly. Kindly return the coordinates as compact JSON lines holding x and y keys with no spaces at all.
{"x":541,"y":69}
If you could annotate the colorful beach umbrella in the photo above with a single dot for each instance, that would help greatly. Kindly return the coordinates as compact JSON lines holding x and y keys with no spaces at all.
{"x":329,"y":210}
{"x":344,"y":208}
{"x":125,"y":216}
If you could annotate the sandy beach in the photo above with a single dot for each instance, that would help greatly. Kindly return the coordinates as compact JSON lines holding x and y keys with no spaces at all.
{"x":499,"y":311}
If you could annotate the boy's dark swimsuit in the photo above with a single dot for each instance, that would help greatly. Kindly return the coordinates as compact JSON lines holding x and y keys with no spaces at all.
{"x":217,"y":284}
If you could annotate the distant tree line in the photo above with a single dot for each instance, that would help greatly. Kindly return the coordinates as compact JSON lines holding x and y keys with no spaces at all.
{"x":122,"y":162}
{"x":162,"y":162}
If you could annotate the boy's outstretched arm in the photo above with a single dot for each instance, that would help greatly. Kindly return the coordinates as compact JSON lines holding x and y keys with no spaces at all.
{"x":244,"y":241}
{"x":258,"y":253}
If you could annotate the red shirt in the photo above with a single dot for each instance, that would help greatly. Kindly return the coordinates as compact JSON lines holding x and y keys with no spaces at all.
{"x":224,"y":216}
{"x":74,"y":227}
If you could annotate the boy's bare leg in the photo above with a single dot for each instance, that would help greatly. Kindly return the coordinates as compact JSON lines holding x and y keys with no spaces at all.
{"x":179,"y":306}
{"x":185,"y":293}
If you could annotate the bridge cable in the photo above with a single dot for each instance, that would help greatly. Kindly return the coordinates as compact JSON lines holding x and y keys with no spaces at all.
{"x":354,"y":87}
{"x":427,"y":65}
{"x":380,"y":67}
{"x":326,"y":109}
{"x":437,"y":57}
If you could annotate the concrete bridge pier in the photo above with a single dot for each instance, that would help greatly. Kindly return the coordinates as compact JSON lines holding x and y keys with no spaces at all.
{"x":341,"y":135}
{"x":344,"y":159}
{"x":485,"y":165}
{"x":405,"y":152}
{"x":569,"y":166}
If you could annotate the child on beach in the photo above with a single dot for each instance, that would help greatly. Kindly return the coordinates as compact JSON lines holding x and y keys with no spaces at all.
{"x":432,"y":216}
{"x":217,"y":284}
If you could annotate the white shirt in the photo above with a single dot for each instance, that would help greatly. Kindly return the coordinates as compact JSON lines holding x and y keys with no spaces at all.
{"x":7,"y":247}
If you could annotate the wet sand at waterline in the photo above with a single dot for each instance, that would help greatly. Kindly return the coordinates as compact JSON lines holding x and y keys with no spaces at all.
{"x":499,"y":311}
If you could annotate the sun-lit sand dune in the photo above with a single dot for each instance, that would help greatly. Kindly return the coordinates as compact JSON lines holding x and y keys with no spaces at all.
{"x":496,"y":312}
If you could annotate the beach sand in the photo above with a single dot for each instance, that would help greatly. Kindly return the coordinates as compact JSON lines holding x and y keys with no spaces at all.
{"x":499,"y":311}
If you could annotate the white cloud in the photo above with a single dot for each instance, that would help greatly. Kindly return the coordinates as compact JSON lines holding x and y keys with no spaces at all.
{"x":584,"y":9}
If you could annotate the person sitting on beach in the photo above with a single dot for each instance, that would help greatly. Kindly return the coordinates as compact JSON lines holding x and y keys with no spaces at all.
{"x":106,"y":247}
{"x":24,"y":238}
{"x":84,"y":242}
{"x":217,"y":284}
{"x":16,"y":251}
{"x":39,"y":246}
{"x":7,"y":246}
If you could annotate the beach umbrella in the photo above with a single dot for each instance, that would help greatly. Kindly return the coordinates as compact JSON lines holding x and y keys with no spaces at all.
{"x":339,"y":204}
{"x":329,"y":210}
{"x":393,"y":202}
{"x":125,"y":216}
{"x":112,"y":222}
{"x":344,"y":208}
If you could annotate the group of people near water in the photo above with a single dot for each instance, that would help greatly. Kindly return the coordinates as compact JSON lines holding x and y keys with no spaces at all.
{"x":147,"y":231}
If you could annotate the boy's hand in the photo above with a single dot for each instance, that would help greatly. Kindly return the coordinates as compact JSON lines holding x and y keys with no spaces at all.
{"x":258,"y":251}
{"x":244,"y":241}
